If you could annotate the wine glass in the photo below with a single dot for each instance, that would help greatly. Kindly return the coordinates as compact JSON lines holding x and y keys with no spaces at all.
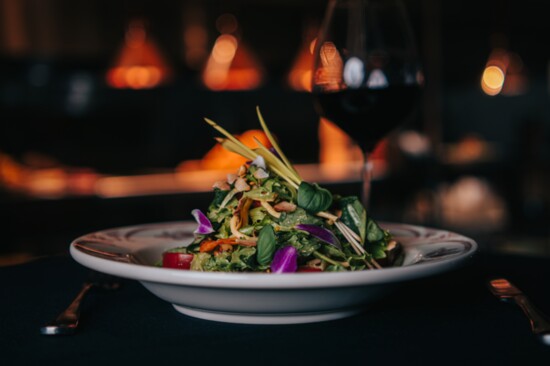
{"x":367,"y":75}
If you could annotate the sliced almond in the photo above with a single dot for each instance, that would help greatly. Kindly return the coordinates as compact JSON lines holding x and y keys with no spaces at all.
{"x":261,"y":174}
{"x":285,"y":206}
{"x":231,"y":178}
{"x":241,"y":185}
{"x":242,"y":170}
{"x":221,"y":184}
{"x":391,"y":245}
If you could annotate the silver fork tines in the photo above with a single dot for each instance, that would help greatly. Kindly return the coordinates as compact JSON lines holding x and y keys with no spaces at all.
{"x":67,"y":321}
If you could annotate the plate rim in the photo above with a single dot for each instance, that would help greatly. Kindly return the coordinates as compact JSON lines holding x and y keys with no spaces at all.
{"x":267,"y":281}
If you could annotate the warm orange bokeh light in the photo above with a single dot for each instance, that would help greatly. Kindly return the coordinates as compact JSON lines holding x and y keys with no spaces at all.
{"x":224,"y":49}
{"x":134,"y":77}
{"x":504,"y":74}
{"x":139,"y":64}
{"x":231,"y":66}
{"x":336,"y":150}
{"x":492,"y":80}
{"x":45,"y":182}
{"x":220,"y":159}
{"x":299,"y":77}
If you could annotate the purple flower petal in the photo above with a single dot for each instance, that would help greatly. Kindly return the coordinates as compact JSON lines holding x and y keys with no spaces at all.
{"x":285,"y":260}
{"x":205,"y":226}
{"x":320,"y":233}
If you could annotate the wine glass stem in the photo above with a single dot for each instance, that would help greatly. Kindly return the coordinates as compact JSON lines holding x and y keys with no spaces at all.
{"x":366,"y":180}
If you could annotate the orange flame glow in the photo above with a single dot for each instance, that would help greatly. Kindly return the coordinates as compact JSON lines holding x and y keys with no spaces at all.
{"x":337,"y":150}
{"x":139,"y":64}
{"x":299,"y":77}
{"x":231,"y":65}
{"x":220,"y":159}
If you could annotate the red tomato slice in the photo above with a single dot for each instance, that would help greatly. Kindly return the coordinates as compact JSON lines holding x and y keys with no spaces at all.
{"x":177,"y":260}
{"x":308,"y":269}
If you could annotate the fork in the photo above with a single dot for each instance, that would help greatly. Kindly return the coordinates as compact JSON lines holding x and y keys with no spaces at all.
{"x":506,"y":291}
{"x":67,"y":322}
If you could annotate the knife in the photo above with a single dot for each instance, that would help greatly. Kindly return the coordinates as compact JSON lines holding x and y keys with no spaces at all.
{"x":506,"y":291}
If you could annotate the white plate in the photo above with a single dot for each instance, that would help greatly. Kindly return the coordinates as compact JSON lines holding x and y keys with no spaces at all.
{"x":262,"y":298}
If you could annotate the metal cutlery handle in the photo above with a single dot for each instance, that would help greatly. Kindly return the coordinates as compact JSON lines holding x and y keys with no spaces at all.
{"x":67,"y":321}
{"x":539,"y":324}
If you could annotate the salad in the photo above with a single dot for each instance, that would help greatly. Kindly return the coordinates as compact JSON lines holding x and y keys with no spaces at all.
{"x":265,"y":218}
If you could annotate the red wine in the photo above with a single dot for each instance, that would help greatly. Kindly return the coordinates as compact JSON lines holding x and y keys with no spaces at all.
{"x":367,"y":115}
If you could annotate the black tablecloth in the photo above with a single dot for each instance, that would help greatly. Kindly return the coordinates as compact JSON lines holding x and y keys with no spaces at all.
{"x":448,"y":319}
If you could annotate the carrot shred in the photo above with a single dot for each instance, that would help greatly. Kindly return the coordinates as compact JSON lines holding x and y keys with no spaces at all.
{"x":210,"y":245}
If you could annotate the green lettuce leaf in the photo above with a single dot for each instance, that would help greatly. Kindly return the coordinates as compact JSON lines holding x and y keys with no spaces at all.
{"x":299,"y":216}
{"x":374,"y":232}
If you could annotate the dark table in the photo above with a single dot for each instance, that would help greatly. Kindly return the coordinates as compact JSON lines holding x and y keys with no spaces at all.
{"x":449,"y":319}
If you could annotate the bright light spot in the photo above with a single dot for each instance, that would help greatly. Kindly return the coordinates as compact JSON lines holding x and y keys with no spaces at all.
{"x":354,"y":72}
{"x":377,"y":80}
{"x":230,"y":67}
{"x":224,"y":49}
{"x":492,"y":80}
{"x":414,"y":143}
{"x":217,"y":68}
{"x":135,"y":77}
{"x":140,"y":77}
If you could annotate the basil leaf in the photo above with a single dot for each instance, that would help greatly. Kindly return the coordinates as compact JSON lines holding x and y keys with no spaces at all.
{"x":333,"y":253}
{"x":313,"y":198}
{"x":334,"y":268}
{"x":265,"y":245}
{"x":378,"y":250}
{"x":374,"y":232}
{"x":354,"y":215}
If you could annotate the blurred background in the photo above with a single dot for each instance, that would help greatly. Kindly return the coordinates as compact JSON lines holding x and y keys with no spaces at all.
{"x":101,"y":107}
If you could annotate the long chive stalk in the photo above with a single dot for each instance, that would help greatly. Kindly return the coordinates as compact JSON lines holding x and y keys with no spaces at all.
{"x":282,"y":167}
